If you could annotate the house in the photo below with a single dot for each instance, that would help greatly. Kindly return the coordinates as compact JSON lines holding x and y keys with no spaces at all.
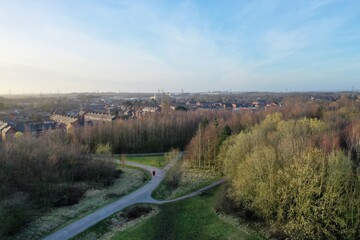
{"x":64,"y":119}
{"x":258,"y":103}
{"x":3,"y":125}
{"x":139,"y":113}
{"x":67,"y":122}
{"x":255,"y":104}
{"x":98,"y":117}
{"x":128,"y":113}
{"x":227,"y":106}
{"x":151,"y":109}
{"x":37,"y":129}
{"x":6,"y":131}
{"x":271,"y":106}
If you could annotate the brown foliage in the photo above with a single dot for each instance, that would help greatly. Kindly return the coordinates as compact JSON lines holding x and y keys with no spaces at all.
{"x":46,"y":169}
{"x":154,"y":133}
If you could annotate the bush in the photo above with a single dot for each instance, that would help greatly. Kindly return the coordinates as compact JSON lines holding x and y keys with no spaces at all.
{"x":173,"y":178}
{"x":97,"y":170}
{"x":67,"y":196}
{"x":171,"y":155}
{"x":114,"y":195}
{"x":14,"y":213}
{"x":103,"y":149}
{"x":224,"y":204}
{"x":136,"y":212}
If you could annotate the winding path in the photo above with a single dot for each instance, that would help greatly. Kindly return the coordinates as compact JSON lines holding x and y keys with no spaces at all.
{"x":142,"y":195}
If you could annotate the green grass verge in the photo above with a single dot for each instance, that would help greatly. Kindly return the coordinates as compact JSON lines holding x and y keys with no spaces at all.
{"x":110,"y":225}
{"x":188,"y":180}
{"x":95,"y":231}
{"x":162,"y":193}
{"x":190,"y":219}
{"x":195,"y":187}
{"x":155,"y":161}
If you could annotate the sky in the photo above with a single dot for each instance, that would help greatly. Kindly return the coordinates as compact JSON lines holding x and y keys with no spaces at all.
{"x":200,"y":45}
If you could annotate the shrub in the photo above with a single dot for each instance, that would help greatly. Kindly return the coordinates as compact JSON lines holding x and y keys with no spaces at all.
{"x":67,"y":196}
{"x":103,"y":149}
{"x":171,"y":155}
{"x":114,"y":195}
{"x":226,"y":205}
{"x":97,"y":170}
{"x":136,"y":212}
{"x":173,"y":178}
{"x":14,"y":213}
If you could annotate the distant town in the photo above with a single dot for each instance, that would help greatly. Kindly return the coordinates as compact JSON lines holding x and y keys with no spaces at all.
{"x":37,"y":114}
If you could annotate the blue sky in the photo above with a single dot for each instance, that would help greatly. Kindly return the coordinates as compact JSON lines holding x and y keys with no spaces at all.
{"x":208,"y":45}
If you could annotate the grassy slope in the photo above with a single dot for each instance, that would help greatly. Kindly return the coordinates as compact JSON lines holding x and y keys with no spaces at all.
{"x":191,"y":180}
{"x":130,"y":179}
{"x":161,"y":193}
{"x":156,"y":161}
{"x":190,"y":219}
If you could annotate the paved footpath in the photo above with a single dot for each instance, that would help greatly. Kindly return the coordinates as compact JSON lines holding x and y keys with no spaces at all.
{"x":142,"y":195}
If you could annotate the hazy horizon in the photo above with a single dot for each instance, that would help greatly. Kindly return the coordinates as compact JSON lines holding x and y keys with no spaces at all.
{"x":6,"y":94}
{"x":198,"y":46}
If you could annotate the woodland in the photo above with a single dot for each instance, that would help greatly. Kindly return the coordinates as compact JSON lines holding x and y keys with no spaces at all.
{"x":295,"y":168}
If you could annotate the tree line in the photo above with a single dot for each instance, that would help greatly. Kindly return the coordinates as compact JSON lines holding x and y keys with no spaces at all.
{"x":153,"y":133}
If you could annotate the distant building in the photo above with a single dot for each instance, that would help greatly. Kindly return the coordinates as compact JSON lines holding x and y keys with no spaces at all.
{"x":64,"y":119}
{"x":259,"y":103}
{"x":165,"y":102}
{"x":6,"y":131}
{"x":3,"y":125}
{"x":139,"y":113}
{"x":98,"y":117}
{"x":37,"y":129}
{"x":270,"y":106}
{"x":227,"y":106}
{"x":151,"y":109}
{"x":127,"y":113}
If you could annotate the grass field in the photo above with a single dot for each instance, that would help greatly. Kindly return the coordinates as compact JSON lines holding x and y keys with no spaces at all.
{"x":155,"y":161}
{"x":189,"y":219}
